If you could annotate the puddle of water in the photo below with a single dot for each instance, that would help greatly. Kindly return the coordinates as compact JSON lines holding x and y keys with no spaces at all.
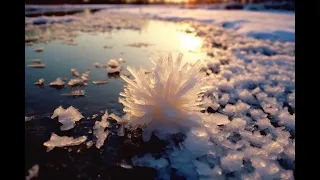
{"x":60,"y":58}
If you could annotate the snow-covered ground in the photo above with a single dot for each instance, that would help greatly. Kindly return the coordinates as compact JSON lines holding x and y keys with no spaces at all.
{"x":262,"y":25}
{"x":247,"y":128}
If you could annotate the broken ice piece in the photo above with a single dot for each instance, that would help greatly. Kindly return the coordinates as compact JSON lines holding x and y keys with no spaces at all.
{"x":115,"y":117}
{"x":97,"y":65}
{"x":84,"y":78}
{"x":74,"y":72}
{"x":39,"y":49}
{"x":139,"y":44}
{"x":75,"y":81}
{"x":100,"y":133}
{"x":77,"y":93}
{"x":120,"y":131}
{"x":37,"y":65}
{"x":121,"y":60}
{"x":35,"y":60}
{"x":58,"y":82}
{"x":113,"y":63}
{"x":94,"y":116}
{"x":106,"y":46}
{"x":40,"y":82}
{"x":111,"y":70}
{"x":99,"y":82}
{"x":89,"y":144}
{"x":62,"y":141}
{"x":125,"y":165}
{"x":67,"y":117}
{"x":26,"y":118}
{"x":33,"y":172}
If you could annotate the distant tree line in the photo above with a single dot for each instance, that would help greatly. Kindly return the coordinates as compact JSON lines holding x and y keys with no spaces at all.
{"x":142,"y":1}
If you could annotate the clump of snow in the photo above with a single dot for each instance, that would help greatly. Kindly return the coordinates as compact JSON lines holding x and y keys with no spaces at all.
{"x":67,"y":117}
{"x":287,"y":119}
{"x":62,"y":141}
{"x":149,"y":161}
{"x":233,"y":161}
{"x":33,"y":172}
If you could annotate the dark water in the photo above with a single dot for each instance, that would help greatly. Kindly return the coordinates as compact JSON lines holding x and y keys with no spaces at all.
{"x":93,"y":163}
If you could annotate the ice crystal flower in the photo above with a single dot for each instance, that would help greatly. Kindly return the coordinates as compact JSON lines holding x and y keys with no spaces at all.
{"x":167,"y":100}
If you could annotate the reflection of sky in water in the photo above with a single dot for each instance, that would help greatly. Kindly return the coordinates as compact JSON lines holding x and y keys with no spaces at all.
{"x":60,"y":58}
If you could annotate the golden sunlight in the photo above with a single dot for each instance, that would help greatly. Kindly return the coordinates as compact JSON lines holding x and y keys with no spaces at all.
{"x":190,"y":42}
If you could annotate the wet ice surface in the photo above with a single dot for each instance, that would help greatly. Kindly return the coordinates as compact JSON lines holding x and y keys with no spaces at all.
{"x":249,"y":119}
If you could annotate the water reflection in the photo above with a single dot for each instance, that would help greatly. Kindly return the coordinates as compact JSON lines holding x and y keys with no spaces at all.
{"x":190,"y":42}
{"x":60,"y":57}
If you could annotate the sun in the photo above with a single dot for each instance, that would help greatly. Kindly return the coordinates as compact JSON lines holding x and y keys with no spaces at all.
{"x":189,"y":42}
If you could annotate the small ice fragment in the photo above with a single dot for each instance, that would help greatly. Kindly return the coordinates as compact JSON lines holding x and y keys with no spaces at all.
{"x":115,"y":117}
{"x":100,"y":133}
{"x":26,"y":118}
{"x":125,"y":165}
{"x":121,"y":60}
{"x":62,"y":141}
{"x":89,"y":144}
{"x":84,"y":78}
{"x":202,"y":168}
{"x":94,"y":116}
{"x":219,"y":119}
{"x":58,"y":82}
{"x":97,"y":65}
{"x":75,"y":81}
{"x":67,"y":117}
{"x":77,"y":93}
{"x":113,"y":63}
{"x":35,"y":60}
{"x":99,"y":82}
{"x":233,"y":161}
{"x":40,"y":82}
{"x":120,"y":131}
{"x":111,"y":70}
{"x":139,"y":44}
{"x":75,"y":72}
{"x":106,"y":46}
{"x":37,"y":65}
{"x":39,"y":49}
{"x":33,"y":172}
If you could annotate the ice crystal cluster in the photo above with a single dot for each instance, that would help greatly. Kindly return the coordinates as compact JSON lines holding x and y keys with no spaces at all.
{"x":167,"y":100}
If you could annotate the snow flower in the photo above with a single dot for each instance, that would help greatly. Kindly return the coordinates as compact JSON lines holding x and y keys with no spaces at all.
{"x":167,"y":100}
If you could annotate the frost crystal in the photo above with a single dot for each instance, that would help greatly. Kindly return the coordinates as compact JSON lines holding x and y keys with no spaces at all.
{"x":167,"y":100}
